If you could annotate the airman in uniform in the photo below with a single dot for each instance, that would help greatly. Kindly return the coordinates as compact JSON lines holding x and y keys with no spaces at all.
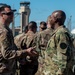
{"x":29,"y":65}
{"x":42,"y":26}
{"x":58,"y":55}
{"x":43,"y":37}
{"x":8,"y":50}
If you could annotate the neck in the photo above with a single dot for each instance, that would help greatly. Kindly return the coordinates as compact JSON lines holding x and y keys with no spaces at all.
{"x":49,"y":26}
{"x":56,"y":26}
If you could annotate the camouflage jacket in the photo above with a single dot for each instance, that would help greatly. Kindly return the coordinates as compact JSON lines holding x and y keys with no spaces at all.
{"x":18,"y":40}
{"x":43,"y":37}
{"x":58,"y":53}
{"x":28,"y":39}
{"x":8,"y":50}
{"x":27,"y":42}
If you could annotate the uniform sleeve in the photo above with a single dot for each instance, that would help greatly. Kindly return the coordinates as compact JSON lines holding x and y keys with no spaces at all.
{"x":17,"y":42}
{"x":63,"y":50}
{"x":6,"y":46}
{"x":62,"y":43}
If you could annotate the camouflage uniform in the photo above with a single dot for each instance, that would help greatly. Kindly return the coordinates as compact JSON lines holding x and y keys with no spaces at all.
{"x":43,"y":38}
{"x":18,"y":40}
{"x":28,"y":65}
{"x":58,"y":54}
{"x":8,"y":51}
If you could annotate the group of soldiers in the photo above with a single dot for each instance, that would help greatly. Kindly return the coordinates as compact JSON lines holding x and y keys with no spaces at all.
{"x":47,"y":52}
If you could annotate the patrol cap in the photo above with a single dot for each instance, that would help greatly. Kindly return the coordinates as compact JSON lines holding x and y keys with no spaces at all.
{"x":3,"y":5}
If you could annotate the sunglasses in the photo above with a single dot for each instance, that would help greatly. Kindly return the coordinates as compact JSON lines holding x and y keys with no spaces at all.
{"x":9,"y":13}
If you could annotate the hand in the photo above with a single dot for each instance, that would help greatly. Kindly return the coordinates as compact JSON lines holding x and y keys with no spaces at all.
{"x":31,"y":51}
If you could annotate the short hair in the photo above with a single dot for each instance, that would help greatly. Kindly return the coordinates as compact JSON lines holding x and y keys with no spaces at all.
{"x":61,"y":16}
{"x":32,"y":25}
{"x":44,"y":24}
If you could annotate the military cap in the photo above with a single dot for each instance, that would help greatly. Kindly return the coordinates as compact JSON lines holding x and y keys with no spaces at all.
{"x":2,"y":4}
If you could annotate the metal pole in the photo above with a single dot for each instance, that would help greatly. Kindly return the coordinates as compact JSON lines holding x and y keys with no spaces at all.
{"x":13,"y":26}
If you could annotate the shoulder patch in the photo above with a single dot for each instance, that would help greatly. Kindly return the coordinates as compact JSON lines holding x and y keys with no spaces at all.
{"x":63,"y":46}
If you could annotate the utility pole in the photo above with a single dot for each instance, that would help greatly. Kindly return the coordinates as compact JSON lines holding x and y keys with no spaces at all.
{"x":13,"y":23}
{"x":13,"y":26}
{"x":69,"y":23}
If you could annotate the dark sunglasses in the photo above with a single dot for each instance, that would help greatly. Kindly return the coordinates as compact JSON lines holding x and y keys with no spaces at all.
{"x":9,"y":13}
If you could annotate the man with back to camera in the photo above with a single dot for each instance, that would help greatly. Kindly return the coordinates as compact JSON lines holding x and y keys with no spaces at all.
{"x":8,"y":50}
{"x":29,"y":65}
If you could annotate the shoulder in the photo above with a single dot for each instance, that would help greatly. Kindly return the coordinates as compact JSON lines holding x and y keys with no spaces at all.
{"x":3,"y":32}
{"x":62,"y":30}
{"x":18,"y":37}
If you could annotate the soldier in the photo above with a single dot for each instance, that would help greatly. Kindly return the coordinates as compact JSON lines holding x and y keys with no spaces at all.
{"x":18,"y":38}
{"x":58,"y":54}
{"x":29,"y":65}
{"x":43,"y":37}
{"x":8,"y":50}
{"x":42,"y":26}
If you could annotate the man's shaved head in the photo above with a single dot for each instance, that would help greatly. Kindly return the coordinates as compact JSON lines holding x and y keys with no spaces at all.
{"x":60,"y":15}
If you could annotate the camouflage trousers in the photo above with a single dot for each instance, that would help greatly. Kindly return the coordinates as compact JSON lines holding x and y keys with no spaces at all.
{"x":40,"y":66}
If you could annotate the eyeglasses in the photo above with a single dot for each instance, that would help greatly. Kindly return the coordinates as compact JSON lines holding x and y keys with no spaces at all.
{"x":9,"y":13}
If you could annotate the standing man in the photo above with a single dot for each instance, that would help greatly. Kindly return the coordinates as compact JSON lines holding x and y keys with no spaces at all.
{"x":29,"y":65}
{"x":43,"y":38}
{"x":8,"y":50}
{"x":58,"y":54}
{"x":42,"y":26}
{"x":17,"y":40}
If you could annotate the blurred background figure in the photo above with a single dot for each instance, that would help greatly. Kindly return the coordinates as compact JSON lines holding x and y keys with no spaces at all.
{"x":43,"y":38}
{"x":25,"y":29}
{"x":42,"y":26}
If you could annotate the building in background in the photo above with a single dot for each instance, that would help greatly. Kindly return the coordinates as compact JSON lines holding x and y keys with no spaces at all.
{"x":24,"y":13}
